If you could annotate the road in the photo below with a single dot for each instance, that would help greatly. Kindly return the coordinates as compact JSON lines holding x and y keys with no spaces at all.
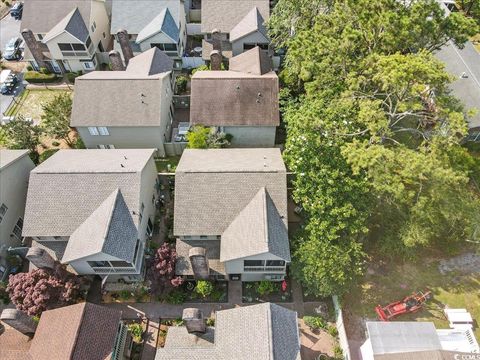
{"x":9,"y":28}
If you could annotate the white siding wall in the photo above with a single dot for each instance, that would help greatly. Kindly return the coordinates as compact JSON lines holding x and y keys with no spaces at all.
{"x":13,"y":193}
{"x":254,"y":38}
{"x":236,"y":267}
{"x":100,"y":16}
{"x":252,"y":136}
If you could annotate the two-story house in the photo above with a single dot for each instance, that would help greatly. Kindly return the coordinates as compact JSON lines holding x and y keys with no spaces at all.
{"x":235,"y":26}
{"x":15,"y":167}
{"x":66,"y":35}
{"x":93,"y":210}
{"x":126,"y":109}
{"x":158,"y":23}
{"x":231,"y":214}
{"x":242,"y":101}
{"x":77,"y":332}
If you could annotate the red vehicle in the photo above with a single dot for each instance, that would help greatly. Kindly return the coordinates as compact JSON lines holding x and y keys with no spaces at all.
{"x":410,"y":304}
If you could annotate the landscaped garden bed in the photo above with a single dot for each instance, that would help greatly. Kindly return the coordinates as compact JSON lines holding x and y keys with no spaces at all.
{"x":198,"y":292}
{"x":131,"y":294}
{"x":267,"y":291}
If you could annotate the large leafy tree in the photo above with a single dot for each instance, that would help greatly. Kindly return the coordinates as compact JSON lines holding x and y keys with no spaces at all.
{"x":22,"y":134}
{"x":470,"y":8}
{"x":56,"y":118}
{"x":43,"y":289}
{"x":372,"y":134}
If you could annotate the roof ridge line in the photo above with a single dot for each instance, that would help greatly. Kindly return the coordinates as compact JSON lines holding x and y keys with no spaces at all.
{"x":110,"y":214}
{"x":265,"y":214}
{"x":270,"y":330}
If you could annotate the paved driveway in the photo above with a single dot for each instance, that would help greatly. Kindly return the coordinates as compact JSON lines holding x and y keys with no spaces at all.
{"x":9,"y":27}
{"x":5,"y":100}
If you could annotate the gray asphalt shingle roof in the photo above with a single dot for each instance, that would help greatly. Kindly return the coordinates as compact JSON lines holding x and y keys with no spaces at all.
{"x":252,"y":22}
{"x":165,"y":23}
{"x":8,"y":157}
{"x":109,"y":230}
{"x":213,"y":186}
{"x":257,"y":332}
{"x":69,"y":186}
{"x":257,"y":229}
{"x":133,"y":16}
{"x":134,"y":97}
{"x":42,"y":16}
{"x":73,"y":24}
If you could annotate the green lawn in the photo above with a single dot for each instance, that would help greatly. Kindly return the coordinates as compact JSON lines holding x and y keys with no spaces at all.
{"x":30,"y":102}
{"x":393,"y":282}
{"x":163,"y":163}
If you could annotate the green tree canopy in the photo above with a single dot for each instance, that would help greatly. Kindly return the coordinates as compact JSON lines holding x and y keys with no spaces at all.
{"x":22,"y":134}
{"x":373,"y":136}
{"x":56,"y":118}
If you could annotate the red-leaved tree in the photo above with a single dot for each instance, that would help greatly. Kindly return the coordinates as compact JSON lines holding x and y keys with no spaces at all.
{"x":43,"y":289}
{"x":164,"y":266}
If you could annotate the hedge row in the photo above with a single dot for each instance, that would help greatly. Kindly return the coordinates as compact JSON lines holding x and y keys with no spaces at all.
{"x":38,"y":77}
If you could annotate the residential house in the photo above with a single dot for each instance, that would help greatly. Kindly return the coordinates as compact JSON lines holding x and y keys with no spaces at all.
{"x":157,"y":23}
{"x":256,"y":332}
{"x":134,"y":109}
{"x":66,"y":35}
{"x":234,"y":26}
{"x":242,"y":101}
{"x":15,"y":167}
{"x":231,"y":214}
{"x":76,"y":332}
{"x":464,"y":65}
{"x":412,"y":340}
{"x":93,"y":210}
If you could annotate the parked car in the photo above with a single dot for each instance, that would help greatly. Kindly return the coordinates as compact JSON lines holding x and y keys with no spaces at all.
{"x":9,"y":84}
{"x":16,"y":11}
{"x":12,"y":49}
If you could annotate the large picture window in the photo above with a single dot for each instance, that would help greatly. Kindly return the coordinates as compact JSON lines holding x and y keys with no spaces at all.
{"x":73,"y":49}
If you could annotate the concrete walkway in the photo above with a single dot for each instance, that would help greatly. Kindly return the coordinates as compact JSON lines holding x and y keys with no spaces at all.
{"x":150,"y":339}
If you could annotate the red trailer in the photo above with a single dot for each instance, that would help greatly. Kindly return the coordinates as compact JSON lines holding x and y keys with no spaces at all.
{"x":410,"y":304}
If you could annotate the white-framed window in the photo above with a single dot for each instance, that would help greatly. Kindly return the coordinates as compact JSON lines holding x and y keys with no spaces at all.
{"x":40,"y":37}
{"x":17,"y":229}
{"x":93,"y":130}
{"x":107,"y":146}
{"x":3,"y":211}
{"x":103,"y":131}
{"x":93,"y":27}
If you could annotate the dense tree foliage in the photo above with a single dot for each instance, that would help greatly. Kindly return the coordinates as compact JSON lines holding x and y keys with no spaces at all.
{"x":56,"y":118}
{"x":470,"y":8}
{"x":22,"y":134}
{"x":43,"y":289}
{"x":373,"y":134}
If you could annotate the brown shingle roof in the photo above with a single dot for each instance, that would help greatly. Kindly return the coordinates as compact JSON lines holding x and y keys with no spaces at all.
{"x":230,"y":98}
{"x":76,"y":332}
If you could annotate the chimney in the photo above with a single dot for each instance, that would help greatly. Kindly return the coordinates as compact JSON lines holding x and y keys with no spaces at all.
{"x":40,"y":258}
{"x":215,"y":60}
{"x":194,"y":321}
{"x":35,"y":48}
{"x":116,"y":61}
{"x":18,"y":320}
{"x":123,"y":39}
{"x":217,"y":40}
{"x":199,"y":261}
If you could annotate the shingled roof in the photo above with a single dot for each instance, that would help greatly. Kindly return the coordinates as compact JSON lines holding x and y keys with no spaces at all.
{"x":76,"y":332}
{"x":69,"y":186}
{"x":257,"y":229}
{"x":264,"y":331}
{"x":43,"y":16}
{"x":72,"y":24}
{"x":224,"y":15}
{"x":252,"y":22}
{"x":246,"y":95}
{"x":213,"y":186}
{"x":108,"y":230}
{"x":134,"y":97}
{"x":163,"y":22}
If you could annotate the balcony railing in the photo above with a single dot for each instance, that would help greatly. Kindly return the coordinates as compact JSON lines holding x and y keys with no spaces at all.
{"x":264,"y":269}
{"x":114,"y":270}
